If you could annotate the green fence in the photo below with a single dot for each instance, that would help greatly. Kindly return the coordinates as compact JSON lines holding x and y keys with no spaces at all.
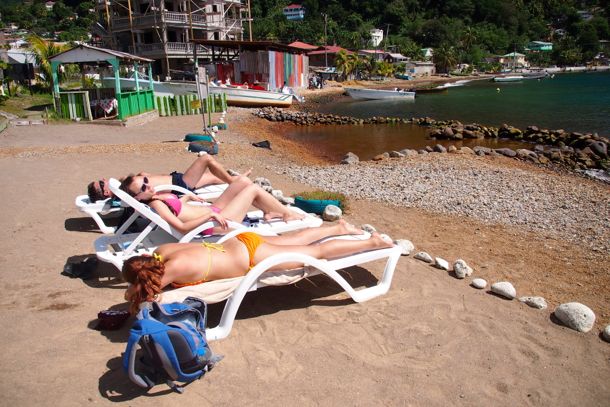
{"x":133,"y":103}
{"x":181,"y":105}
{"x":74,"y":105}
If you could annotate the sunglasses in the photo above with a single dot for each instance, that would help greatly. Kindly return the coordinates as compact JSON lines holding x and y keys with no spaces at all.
{"x":144,"y":184}
{"x":102,"y":185}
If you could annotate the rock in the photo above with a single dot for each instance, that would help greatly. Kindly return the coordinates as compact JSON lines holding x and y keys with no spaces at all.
{"x":504,"y":289}
{"x":287,"y":200}
{"x":277,"y":194}
{"x":479,"y":283}
{"x":466,"y":150}
{"x":406,"y":246}
{"x":408,"y":152}
{"x":451,"y":149}
{"x":440,"y":149}
{"x":606,"y":333}
{"x":505,"y":152}
{"x":350,"y":158}
{"x":479,"y":150}
{"x":576,"y":316}
{"x":441,"y":263}
{"x":423,"y":256}
{"x":332,"y":213}
{"x":461,"y":269}
{"x":448,"y":132}
{"x":262,"y":182}
{"x":534,"y":302}
{"x":599,"y":148}
{"x":368,"y":228}
{"x":380,"y":157}
{"x":396,"y":154}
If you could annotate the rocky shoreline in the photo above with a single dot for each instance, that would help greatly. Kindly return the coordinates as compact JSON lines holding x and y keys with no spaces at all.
{"x":570,"y":150}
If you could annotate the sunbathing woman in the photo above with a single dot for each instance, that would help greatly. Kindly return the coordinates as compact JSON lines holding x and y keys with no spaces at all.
{"x":184,"y":264}
{"x":205,"y":170}
{"x":233,"y":204}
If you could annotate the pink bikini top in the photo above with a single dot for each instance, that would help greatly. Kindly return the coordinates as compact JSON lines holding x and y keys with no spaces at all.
{"x":174,"y":204}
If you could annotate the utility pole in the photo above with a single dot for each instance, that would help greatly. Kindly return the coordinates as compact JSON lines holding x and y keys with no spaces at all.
{"x":387,"y":33}
{"x":249,"y":21}
{"x":325,"y":41}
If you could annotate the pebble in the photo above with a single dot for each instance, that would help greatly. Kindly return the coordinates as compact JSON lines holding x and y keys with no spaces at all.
{"x":576,"y":316}
{"x":332,"y":213}
{"x":534,"y":302}
{"x":564,"y":205}
{"x":406,"y":246}
{"x":479,"y":283}
{"x":504,"y":289}
{"x":423,"y":256}
{"x":441,"y":263}
{"x":606,"y":333}
{"x":461,"y":269}
{"x":368,"y":228}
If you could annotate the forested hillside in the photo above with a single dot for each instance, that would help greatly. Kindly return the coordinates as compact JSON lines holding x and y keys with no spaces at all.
{"x":470,"y":29}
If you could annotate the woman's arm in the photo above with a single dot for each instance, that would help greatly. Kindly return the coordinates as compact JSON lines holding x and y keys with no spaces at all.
{"x":184,"y":227}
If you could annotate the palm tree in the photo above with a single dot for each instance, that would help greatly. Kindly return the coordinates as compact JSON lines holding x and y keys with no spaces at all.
{"x":43,"y":50}
{"x":346,"y":63}
{"x":444,"y":58}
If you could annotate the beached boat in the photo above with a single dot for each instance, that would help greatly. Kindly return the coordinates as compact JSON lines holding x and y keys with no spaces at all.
{"x":376,"y":94}
{"x":236,"y":96}
{"x":509,"y":78}
{"x":403,"y":76}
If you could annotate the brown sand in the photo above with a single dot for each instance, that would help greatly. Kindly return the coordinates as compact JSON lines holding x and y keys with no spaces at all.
{"x":432,"y":340}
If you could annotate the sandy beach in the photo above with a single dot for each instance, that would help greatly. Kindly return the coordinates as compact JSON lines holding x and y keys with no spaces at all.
{"x":431,"y":341}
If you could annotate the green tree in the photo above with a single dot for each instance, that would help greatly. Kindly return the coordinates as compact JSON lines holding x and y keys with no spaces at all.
{"x":444,"y":58}
{"x":43,"y":50}
{"x":588,"y":42}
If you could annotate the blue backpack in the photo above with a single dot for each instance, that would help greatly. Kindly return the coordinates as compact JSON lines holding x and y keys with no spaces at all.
{"x":172,"y":344}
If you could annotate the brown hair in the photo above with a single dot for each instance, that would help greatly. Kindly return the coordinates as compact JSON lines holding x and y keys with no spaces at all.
{"x":126,"y":183}
{"x":144,"y":273}
{"x":93,"y":193}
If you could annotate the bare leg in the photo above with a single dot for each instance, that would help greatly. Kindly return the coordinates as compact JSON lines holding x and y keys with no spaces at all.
{"x":311,"y":235}
{"x":236,"y":207}
{"x":325,"y":250}
{"x":193,"y":175}
{"x":230,"y":194}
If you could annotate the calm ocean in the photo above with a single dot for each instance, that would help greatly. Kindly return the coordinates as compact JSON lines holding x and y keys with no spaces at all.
{"x":573,"y":102}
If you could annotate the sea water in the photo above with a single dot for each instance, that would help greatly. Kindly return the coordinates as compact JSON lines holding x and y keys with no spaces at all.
{"x":571,"y":101}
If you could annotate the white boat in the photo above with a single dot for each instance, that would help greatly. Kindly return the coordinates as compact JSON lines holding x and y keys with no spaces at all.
{"x":509,"y":78}
{"x":375,"y":94}
{"x":236,"y":96}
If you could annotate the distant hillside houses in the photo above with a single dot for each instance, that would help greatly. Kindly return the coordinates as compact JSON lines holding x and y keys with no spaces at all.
{"x":376,"y":37}
{"x":294,"y":12}
{"x":428,"y":53}
{"x":513,"y":60}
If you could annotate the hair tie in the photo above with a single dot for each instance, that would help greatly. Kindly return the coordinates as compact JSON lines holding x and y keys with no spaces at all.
{"x":158,"y":257}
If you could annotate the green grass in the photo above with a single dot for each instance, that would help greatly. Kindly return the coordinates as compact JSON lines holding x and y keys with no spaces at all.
{"x":28,"y":105}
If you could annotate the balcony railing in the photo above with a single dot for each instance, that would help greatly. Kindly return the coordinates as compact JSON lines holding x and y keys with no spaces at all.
{"x":173,"y":49}
{"x":172,"y":18}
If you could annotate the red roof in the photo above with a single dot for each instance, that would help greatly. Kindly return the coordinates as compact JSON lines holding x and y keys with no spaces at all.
{"x":303,"y":45}
{"x":329,"y":49}
{"x":293,"y":6}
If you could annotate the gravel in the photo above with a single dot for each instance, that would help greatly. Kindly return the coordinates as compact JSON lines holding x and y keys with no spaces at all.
{"x":567,"y":206}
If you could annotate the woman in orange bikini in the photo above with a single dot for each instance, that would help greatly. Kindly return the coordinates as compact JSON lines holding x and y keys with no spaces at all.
{"x":183,"y":264}
{"x":233,"y":204}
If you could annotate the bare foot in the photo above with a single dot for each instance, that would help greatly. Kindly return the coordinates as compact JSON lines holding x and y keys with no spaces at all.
{"x":272,"y":215}
{"x":247,"y":172}
{"x":379,"y":242}
{"x":349,"y":229}
{"x":290,"y":215}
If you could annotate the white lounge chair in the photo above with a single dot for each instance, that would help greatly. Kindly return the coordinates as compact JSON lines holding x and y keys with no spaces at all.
{"x":236,"y":288}
{"x":100,"y":210}
{"x":115,"y":249}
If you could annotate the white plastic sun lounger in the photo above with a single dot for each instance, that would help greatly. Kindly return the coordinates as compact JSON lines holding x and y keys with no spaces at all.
{"x":115,"y":249}
{"x":236,"y":288}
{"x":100,"y":210}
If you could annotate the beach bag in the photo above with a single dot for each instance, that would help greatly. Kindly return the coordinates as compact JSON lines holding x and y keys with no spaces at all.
{"x":167,"y":343}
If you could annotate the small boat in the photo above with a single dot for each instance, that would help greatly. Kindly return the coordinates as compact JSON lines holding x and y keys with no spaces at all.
{"x":509,"y":78}
{"x":376,"y":94}
{"x":403,"y":76}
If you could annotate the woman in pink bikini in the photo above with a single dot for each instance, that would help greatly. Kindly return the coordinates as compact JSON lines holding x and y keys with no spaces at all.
{"x":184,"y":264}
{"x":233,"y":204}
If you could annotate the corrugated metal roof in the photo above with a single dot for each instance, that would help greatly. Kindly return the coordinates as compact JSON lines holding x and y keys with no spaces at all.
{"x":78,"y":50}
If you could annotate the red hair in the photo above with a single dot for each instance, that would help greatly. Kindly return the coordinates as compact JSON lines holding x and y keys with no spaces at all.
{"x":144,"y":273}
